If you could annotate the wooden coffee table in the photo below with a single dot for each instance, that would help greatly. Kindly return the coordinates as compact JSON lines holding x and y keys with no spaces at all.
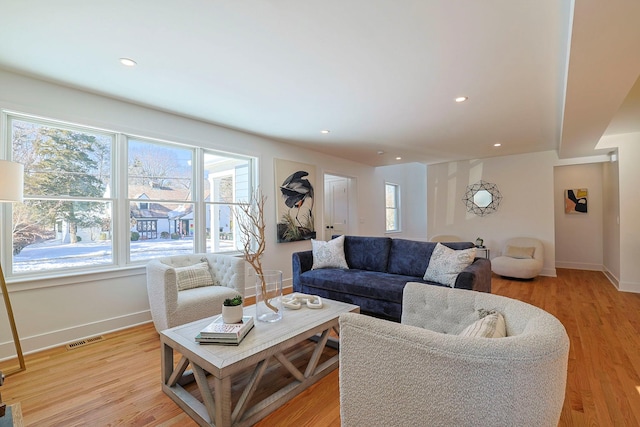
{"x":281,"y":349}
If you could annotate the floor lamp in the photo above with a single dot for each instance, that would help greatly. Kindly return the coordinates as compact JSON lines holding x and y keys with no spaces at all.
{"x":11,"y":184}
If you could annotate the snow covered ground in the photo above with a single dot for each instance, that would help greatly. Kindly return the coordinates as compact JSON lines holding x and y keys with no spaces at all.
{"x":54,"y":255}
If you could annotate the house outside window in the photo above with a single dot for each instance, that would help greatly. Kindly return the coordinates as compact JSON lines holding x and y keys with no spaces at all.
{"x":160,"y":192}
{"x":392,"y":207}
{"x":74,"y":216}
{"x":147,"y":229}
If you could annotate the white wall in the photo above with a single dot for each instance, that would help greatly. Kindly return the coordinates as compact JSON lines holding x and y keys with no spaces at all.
{"x":628,"y":146}
{"x":53,"y":311}
{"x":611,"y":222}
{"x":579,"y":237}
{"x":527,"y":209}
{"x":629,"y":158}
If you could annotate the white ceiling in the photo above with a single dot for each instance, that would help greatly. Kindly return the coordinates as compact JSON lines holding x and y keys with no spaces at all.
{"x":381,"y":75}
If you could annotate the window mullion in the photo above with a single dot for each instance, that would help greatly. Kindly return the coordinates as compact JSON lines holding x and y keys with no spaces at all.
{"x":121,"y":222}
{"x":197,"y":196}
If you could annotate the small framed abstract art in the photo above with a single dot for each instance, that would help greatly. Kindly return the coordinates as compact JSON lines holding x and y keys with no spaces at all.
{"x":575,"y":201}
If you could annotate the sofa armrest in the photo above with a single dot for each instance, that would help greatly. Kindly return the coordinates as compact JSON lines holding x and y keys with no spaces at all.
{"x":476,"y":277}
{"x":302,"y":261}
{"x":162,"y":289}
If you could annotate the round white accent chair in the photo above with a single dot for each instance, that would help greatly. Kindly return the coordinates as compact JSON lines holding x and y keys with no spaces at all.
{"x":522,"y":258}
{"x":422,"y":373}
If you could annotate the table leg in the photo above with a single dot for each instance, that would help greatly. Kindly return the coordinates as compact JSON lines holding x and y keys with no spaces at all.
{"x":166,"y":362}
{"x":222,"y":399}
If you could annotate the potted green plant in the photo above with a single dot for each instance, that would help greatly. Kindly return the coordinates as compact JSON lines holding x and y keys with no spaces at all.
{"x":232,"y":309}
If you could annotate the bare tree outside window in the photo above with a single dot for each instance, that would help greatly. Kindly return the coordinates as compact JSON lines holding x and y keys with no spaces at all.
{"x":161,"y":211}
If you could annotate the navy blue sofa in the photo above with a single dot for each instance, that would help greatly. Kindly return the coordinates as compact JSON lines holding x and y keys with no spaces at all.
{"x":379,"y":268}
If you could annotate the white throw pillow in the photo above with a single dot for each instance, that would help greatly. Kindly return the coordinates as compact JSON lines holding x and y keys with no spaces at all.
{"x":214,"y":276}
{"x":446,"y":263}
{"x":193,"y":276}
{"x":328,"y":254}
{"x":520,"y":253}
{"x":490,"y":325}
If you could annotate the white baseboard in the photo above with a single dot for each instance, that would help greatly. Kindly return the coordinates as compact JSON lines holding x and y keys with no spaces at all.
{"x":579,"y":266}
{"x":633,"y":287}
{"x":549,"y":272}
{"x":612,"y":278}
{"x":622,"y":286}
{"x":63,"y":336}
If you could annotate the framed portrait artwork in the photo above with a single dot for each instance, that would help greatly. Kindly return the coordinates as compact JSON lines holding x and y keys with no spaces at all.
{"x":295,"y":211}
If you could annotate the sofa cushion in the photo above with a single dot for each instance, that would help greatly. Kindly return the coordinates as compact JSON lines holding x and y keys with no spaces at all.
{"x":446,"y":263}
{"x":328,"y":254}
{"x":371,"y":284}
{"x":411,"y":257}
{"x":367,"y":253}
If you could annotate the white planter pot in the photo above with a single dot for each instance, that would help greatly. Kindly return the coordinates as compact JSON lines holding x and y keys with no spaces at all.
{"x":231,"y":314}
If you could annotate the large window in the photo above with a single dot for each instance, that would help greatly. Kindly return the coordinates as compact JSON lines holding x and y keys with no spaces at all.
{"x":392,"y":207}
{"x":76,"y":216}
{"x":66,"y":218}
{"x":161,"y":208}
{"x":227,"y":183}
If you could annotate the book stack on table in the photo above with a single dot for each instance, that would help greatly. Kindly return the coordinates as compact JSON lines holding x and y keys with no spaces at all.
{"x":218,"y":332}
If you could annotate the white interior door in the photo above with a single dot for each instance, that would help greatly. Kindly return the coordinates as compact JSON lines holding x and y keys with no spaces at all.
{"x":336,"y":205}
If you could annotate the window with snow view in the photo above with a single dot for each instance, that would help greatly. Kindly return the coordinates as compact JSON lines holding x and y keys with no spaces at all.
{"x":86,"y":207}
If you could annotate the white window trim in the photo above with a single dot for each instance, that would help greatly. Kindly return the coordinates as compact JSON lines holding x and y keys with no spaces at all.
{"x":397,"y":192}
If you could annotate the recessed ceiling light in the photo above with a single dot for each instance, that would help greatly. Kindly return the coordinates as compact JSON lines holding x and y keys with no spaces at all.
{"x":461,"y":98}
{"x":380,"y":153}
{"x":497,"y":144}
{"x":398,"y":158}
{"x":128,"y":62}
{"x":324,"y":131}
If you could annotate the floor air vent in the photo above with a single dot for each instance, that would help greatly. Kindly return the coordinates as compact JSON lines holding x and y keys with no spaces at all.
{"x":84,"y":342}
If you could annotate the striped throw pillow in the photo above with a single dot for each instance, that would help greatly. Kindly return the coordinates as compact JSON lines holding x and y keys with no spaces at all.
{"x":193,"y":276}
{"x":490,"y":325}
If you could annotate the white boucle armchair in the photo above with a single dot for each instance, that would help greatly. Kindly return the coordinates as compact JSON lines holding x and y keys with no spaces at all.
{"x":170,"y":307}
{"x":421,"y":373}
{"x":520,"y":267}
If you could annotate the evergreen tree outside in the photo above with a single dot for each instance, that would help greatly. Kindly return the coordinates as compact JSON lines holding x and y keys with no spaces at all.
{"x":60,"y":166}
{"x":64,"y":167}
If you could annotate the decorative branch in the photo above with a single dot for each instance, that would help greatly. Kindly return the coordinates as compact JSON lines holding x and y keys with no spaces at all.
{"x":250,"y":219}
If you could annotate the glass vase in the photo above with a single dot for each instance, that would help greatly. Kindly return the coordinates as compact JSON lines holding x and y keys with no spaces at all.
{"x":269,"y":296}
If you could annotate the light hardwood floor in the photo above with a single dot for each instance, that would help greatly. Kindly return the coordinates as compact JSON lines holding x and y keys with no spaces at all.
{"x":117,"y":381}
